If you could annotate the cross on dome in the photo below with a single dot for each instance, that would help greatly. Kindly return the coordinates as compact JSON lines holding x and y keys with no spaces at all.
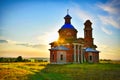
{"x":67,"y":11}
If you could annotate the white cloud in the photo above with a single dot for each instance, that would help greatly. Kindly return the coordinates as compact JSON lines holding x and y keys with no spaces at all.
{"x":81,"y":14}
{"x":108,"y":8}
{"x":106,"y":31}
{"x":112,"y":19}
{"x":112,"y":7}
{"x":109,"y":20}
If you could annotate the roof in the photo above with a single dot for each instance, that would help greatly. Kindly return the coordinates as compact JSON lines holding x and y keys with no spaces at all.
{"x":67,"y":16}
{"x":59,"y":48}
{"x":90,"y":50}
{"x":68,"y":26}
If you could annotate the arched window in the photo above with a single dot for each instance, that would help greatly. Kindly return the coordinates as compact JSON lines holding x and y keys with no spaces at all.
{"x":90,"y":58}
{"x":61,"y":57}
{"x":53,"y":56}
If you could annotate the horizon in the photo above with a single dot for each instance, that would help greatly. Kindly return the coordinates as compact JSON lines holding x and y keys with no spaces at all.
{"x":49,"y":58}
{"x":28,"y":26}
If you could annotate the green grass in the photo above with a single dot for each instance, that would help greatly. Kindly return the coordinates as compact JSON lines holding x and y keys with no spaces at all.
{"x":44,"y":71}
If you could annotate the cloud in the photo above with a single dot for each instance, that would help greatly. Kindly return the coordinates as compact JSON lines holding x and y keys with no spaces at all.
{"x":109,"y":20}
{"x":81,"y":14}
{"x":113,"y":9}
{"x":23,"y":44}
{"x":108,"y":8}
{"x":12,"y":42}
{"x":12,"y":50}
{"x":3,"y":41}
{"x":38,"y":46}
{"x":112,"y":19}
{"x":112,"y":16}
{"x":112,"y":6}
{"x":106,"y":31}
{"x":8,"y":41}
{"x":32,"y":45}
{"x":108,"y":52}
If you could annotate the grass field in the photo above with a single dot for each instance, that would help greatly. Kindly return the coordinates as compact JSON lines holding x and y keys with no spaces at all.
{"x":45,"y":71}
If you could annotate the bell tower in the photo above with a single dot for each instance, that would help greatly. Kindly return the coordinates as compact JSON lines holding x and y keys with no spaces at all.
{"x":88,"y":34}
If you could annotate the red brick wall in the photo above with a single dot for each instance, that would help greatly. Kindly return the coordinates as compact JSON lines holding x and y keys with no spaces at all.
{"x":66,"y":34}
{"x":69,"y":56}
{"x":95,"y":56}
{"x":53,"y":52}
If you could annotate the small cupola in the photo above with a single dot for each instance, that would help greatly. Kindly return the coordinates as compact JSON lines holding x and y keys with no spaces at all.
{"x":88,"y":23}
{"x":67,"y":19}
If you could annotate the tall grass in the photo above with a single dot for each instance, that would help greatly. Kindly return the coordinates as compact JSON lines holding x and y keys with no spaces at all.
{"x":19,"y":70}
{"x":45,"y":71}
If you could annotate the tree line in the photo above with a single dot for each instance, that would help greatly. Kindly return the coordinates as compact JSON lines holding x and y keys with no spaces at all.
{"x":20,"y":59}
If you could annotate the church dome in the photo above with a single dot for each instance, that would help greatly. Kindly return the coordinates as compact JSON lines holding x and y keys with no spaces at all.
{"x":67,"y":26}
{"x":67,"y":32}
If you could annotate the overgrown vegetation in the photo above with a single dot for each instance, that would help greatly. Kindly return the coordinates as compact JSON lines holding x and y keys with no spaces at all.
{"x":45,"y":71}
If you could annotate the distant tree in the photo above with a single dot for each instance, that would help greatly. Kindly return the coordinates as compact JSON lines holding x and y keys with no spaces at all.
{"x":1,"y":59}
{"x":45,"y":61}
{"x":25,"y":60}
{"x":19,"y":59}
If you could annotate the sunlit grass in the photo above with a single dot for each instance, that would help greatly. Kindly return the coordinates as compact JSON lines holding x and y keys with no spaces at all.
{"x":45,"y":71}
{"x":19,"y":71}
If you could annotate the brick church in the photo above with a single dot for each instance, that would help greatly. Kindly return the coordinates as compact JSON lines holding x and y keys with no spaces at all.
{"x":70,"y":49}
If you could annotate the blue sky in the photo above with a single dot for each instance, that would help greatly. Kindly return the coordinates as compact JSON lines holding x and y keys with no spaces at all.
{"x":28,"y":26}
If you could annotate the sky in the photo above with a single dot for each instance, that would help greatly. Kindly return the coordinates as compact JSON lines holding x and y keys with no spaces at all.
{"x":28,"y":26}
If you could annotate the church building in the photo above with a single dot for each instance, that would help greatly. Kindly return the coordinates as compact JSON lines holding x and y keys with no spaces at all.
{"x":70,"y":49}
